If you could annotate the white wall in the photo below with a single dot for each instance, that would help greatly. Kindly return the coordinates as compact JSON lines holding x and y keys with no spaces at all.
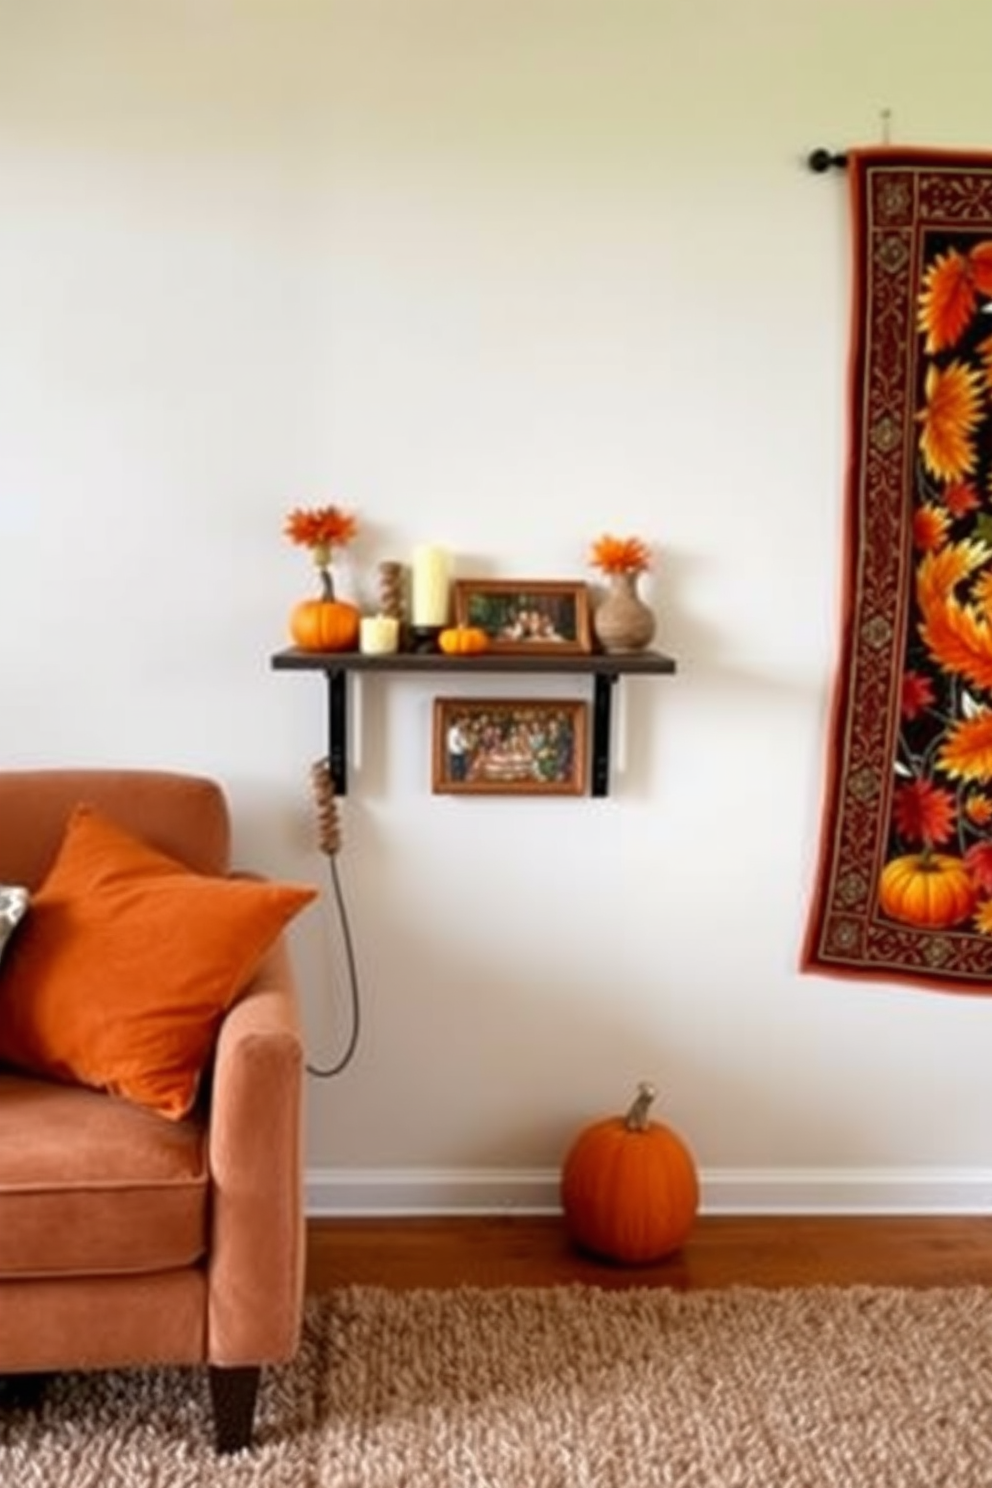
{"x":502,"y":274}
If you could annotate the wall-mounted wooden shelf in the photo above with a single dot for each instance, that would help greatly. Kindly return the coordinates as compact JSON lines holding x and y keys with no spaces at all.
{"x":605,"y":670}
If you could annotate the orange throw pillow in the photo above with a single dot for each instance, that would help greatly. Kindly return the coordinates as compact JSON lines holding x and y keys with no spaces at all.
{"x":121,"y":974}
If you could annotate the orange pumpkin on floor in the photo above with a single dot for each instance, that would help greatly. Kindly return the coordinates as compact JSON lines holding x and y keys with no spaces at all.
{"x":932,"y":890}
{"x":325,"y":625}
{"x":629,"y":1187}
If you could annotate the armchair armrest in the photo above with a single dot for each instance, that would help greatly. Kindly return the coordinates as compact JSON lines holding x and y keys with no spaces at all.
{"x":256,"y":1265}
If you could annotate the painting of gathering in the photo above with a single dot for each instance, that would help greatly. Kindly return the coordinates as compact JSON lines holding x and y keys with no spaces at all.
{"x":506,"y":746}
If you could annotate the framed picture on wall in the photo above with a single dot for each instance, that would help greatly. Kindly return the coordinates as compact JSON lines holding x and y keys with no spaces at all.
{"x":510,"y":746}
{"x":520,"y":616}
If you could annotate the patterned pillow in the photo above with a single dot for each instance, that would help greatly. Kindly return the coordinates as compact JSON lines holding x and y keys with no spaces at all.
{"x":13,"y":903}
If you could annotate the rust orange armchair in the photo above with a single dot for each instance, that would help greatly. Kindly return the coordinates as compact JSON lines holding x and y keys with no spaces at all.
{"x":128,"y":1238}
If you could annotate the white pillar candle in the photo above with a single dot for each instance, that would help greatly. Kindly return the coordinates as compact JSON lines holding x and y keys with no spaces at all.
{"x":378,"y":635}
{"x":430,"y":586}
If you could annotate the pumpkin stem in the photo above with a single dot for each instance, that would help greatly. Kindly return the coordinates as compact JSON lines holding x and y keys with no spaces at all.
{"x":636,"y":1118}
{"x":326,"y":585}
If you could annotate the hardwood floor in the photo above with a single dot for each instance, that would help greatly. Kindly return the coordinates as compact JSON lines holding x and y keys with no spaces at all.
{"x":776,"y":1251}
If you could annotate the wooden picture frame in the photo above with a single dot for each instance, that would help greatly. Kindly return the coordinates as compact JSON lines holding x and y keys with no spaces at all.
{"x":527,"y":616}
{"x":510,"y":746}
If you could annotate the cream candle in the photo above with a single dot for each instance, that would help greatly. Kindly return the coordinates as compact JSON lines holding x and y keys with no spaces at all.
{"x":378,"y":635}
{"x":430,"y":587}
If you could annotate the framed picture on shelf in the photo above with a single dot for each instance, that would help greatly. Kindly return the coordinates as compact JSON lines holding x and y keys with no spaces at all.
{"x":536,"y":616}
{"x":510,"y":746}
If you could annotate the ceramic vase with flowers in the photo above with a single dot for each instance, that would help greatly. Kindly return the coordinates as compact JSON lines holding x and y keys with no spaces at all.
{"x":622,"y":621}
{"x":326,"y":623}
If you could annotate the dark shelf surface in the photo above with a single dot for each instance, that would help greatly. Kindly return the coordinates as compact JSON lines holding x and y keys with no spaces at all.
{"x":650,"y":663}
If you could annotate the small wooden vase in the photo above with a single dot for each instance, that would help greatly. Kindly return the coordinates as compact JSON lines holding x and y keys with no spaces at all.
{"x":622,"y":621}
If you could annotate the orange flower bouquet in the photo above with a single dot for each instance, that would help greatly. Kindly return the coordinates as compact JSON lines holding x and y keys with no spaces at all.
{"x":321,"y":529}
{"x":626,"y":555}
{"x":324,"y":624}
{"x":622,"y":622}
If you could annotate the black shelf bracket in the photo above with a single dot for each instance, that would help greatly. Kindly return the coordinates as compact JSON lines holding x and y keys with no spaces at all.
{"x":337,"y":728}
{"x":602,"y":713}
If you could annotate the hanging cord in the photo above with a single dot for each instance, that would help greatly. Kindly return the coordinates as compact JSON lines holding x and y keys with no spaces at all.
{"x":329,"y":842}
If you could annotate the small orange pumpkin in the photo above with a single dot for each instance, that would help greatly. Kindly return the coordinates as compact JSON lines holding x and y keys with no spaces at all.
{"x":463,"y":640}
{"x":325,"y":625}
{"x":629,"y":1186}
{"x":929,"y":889}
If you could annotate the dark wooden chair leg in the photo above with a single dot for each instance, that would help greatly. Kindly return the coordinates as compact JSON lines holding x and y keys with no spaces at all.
{"x":233,"y":1393}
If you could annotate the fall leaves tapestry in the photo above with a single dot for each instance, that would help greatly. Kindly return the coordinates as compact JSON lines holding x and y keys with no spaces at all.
{"x":904,"y":886}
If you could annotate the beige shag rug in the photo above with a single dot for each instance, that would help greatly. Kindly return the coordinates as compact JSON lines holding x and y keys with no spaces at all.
{"x":561,"y":1388}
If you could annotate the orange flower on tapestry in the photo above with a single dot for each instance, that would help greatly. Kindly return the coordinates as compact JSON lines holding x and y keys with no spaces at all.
{"x":950,"y":418}
{"x":961,"y":498}
{"x":917,"y":695}
{"x":957,"y":636}
{"x":978,"y":809}
{"x":924,"y":814}
{"x":930,"y":526}
{"x":967,"y":749}
{"x":951,"y":288}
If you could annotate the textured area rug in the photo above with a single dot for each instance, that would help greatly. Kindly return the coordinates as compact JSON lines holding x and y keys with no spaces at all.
{"x":563,"y":1388}
{"x":904,"y":886}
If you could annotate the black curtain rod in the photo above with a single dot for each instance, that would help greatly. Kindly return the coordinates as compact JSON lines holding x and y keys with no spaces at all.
{"x":824,"y":160}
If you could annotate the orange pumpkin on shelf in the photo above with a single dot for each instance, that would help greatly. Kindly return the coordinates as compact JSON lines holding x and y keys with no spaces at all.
{"x":325,"y":625}
{"x":932,"y":890}
{"x":463,"y":640}
{"x":629,"y":1186}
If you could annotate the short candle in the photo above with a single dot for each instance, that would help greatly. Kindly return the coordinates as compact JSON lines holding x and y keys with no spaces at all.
{"x":378,"y":635}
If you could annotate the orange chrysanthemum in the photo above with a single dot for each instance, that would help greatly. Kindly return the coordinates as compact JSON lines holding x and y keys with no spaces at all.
{"x":951,"y":416}
{"x":967,"y":748}
{"x":950,"y":293}
{"x":930,"y":526}
{"x":961,"y":498}
{"x":620,"y":555}
{"x":320,"y":527}
{"x":983,"y":917}
{"x":978,"y":809}
{"x":916,"y":695}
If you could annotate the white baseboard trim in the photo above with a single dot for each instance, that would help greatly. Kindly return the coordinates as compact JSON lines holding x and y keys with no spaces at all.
{"x":374,"y":1192}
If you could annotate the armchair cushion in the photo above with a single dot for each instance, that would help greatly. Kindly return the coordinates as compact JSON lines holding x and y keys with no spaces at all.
{"x":121,"y":974}
{"x":92,"y":1186}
